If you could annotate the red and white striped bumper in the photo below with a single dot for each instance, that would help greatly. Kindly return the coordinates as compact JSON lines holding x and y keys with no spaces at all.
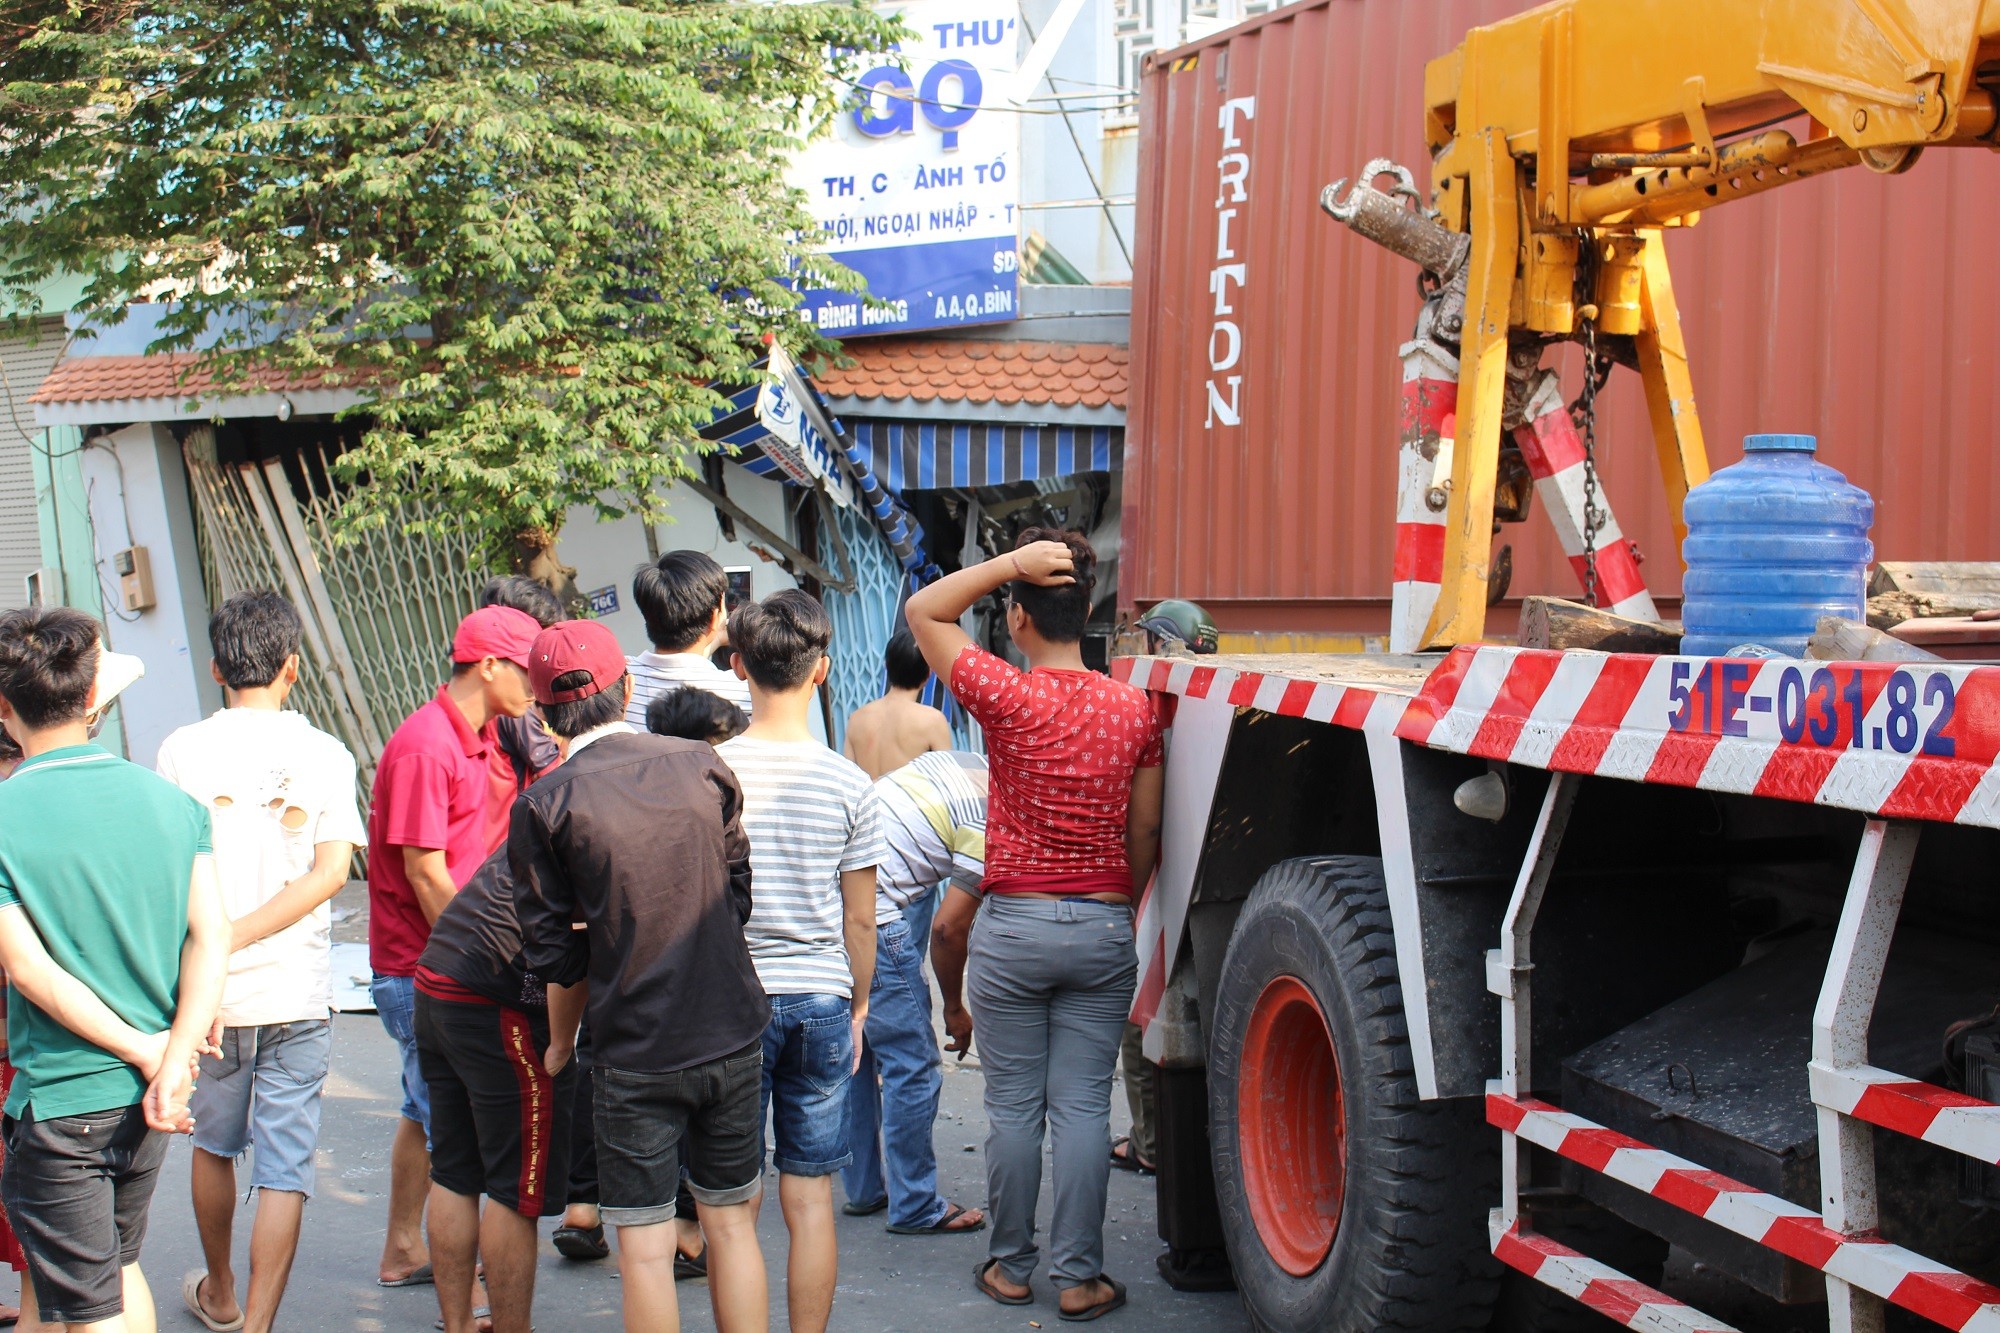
{"x":1598,"y":1287}
{"x":1899,"y":1276}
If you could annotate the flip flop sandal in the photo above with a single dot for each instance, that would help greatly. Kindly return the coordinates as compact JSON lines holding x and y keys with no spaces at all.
{"x":993,"y":1293}
{"x":191,"y":1294}
{"x":1102,"y":1308}
{"x":479,"y":1312}
{"x":864,"y":1209}
{"x":420,"y":1276}
{"x":1128,"y":1160}
{"x":943,"y":1226}
{"x":687,"y":1268}
{"x":582,"y":1244}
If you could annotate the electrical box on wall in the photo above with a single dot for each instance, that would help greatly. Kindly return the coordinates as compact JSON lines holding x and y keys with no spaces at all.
{"x":135,"y":578}
{"x":45,"y":587}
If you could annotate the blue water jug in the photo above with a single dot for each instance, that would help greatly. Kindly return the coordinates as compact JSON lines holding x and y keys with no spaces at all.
{"x":1774,"y":543}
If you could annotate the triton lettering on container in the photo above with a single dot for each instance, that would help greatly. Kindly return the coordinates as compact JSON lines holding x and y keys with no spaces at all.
{"x":1503,"y":988}
{"x":1284,"y":520}
{"x":1774,"y":543}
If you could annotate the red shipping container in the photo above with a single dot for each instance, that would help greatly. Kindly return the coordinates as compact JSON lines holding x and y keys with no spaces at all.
{"x":1855,"y":307}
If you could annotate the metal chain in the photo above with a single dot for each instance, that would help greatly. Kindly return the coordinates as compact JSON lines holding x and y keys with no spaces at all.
{"x":1585,"y":416}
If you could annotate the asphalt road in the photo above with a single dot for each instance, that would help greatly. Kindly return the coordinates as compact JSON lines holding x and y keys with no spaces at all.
{"x":886,"y":1282}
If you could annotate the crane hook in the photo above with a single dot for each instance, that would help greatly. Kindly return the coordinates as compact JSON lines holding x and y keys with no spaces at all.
{"x":1344,"y":210}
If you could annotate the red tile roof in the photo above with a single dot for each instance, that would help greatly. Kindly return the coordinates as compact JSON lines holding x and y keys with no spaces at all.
{"x":926,"y":370}
{"x":95,"y":379}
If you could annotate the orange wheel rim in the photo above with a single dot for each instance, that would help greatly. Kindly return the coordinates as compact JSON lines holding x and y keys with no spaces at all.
{"x":1292,"y":1126}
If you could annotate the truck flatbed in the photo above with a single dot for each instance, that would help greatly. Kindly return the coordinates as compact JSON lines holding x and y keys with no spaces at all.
{"x":1895,"y":740}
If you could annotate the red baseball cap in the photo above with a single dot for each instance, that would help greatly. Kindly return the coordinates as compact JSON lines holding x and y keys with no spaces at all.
{"x":574,"y":645}
{"x":495,"y":631}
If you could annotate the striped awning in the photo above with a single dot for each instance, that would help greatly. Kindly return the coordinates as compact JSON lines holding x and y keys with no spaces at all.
{"x":744,"y":436}
{"x":931,"y":455}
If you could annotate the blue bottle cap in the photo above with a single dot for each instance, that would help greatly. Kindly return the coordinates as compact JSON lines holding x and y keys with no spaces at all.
{"x":1804,"y":444}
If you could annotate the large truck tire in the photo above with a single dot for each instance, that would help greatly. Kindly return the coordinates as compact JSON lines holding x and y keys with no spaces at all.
{"x":1348,"y":1204}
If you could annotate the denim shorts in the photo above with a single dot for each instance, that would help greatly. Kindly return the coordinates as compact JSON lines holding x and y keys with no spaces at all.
{"x":396,"y":1001}
{"x":77,"y":1189}
{"x":808,"y":1059}
{"x":264,"y":1092}
{"x":643,"y":1121}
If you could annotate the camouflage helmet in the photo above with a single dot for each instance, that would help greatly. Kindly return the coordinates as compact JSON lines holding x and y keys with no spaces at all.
{"x":1184,"y":622}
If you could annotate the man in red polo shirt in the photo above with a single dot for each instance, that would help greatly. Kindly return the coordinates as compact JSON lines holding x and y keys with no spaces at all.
{"x":440,"y":809}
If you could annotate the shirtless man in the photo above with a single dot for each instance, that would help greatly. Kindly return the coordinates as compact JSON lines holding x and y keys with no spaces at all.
{"x":887,"y":734}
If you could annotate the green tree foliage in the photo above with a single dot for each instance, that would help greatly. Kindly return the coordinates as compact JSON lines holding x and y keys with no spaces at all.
{"x":531,"y":231}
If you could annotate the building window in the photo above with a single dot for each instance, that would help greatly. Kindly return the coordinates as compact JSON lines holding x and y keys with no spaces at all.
{"x":1138,"y":27}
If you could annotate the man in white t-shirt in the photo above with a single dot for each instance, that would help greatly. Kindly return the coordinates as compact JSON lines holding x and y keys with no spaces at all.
{"x":815,"y":841}
{"x":281,"y":798}
{"x":683,"y":598}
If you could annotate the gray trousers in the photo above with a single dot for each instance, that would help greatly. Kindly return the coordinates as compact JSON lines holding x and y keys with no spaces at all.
{"x":1049,"y":985}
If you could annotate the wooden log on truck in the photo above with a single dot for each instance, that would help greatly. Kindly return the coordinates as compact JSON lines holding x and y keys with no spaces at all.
{"x":1551,"y":622}
{"x":1902,"y":590}
{"x":1838,"y":640}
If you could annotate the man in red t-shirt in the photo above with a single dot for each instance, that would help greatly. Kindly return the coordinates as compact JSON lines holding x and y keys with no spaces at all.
{"x":1072,"y":833}
{"x":439,"y":809}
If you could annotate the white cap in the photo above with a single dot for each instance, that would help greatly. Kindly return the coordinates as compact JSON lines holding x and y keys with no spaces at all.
{"x":115,"y":672}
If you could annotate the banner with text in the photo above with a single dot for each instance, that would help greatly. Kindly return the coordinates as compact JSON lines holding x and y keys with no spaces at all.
{"x":917,"y":188}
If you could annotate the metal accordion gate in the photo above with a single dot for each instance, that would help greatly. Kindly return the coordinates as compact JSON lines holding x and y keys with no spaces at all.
{"x":379,"y":604}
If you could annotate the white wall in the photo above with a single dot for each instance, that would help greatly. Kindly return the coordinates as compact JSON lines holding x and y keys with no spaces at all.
{"x":609,"y":554}
{"x":138,"y":496}
{"x":1053,"y":169}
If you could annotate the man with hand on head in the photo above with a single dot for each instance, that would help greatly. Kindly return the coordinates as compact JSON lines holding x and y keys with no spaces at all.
{"x":115,"y":943}
{"x":1075,"y":797}
{"x":280,"y":796}
{"x":440,"y":808}
{"x":640,"y":839}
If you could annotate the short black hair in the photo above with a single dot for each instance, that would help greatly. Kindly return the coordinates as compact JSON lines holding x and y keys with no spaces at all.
{"x":1059,"y":613}
{"x":521,"y":593}
{"x":678,"y":597}
{"x":781,"y":639}
{"x":251,"y":635}
{"x":694,"y":714}
{"x":905,"y":662}
{"x":572,"y":719}
{"x":48,"y":662}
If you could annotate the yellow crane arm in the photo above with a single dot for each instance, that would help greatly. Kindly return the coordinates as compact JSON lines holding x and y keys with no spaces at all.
{"x":1566,"y":137}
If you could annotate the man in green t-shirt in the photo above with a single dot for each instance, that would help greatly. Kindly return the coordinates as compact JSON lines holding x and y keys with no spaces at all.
{"x":115,"y":943}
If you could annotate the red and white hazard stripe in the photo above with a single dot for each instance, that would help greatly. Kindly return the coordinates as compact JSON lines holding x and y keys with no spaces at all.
{"x":1600,"y":1288}
{"x":1899,"y":740}
{"x":1554,"y":453}
{"x":1921,"y":1110}
{"x":1430,"y":399}
{"x":1315,"y":700}
{"x":1899,"y":1276}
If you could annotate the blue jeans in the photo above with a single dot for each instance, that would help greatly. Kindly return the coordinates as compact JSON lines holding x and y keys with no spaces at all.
{"x":808,"y":1057}
{"x":889,"y":1124}
{"x":923,"y":910}
{"x":264,"y":1089}
{"x":396,"y":1001}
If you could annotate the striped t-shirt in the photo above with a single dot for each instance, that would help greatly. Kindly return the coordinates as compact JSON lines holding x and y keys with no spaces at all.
{"x":934,"y":823}
{"x":654,"y":674}
{"x":809,"y":814}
